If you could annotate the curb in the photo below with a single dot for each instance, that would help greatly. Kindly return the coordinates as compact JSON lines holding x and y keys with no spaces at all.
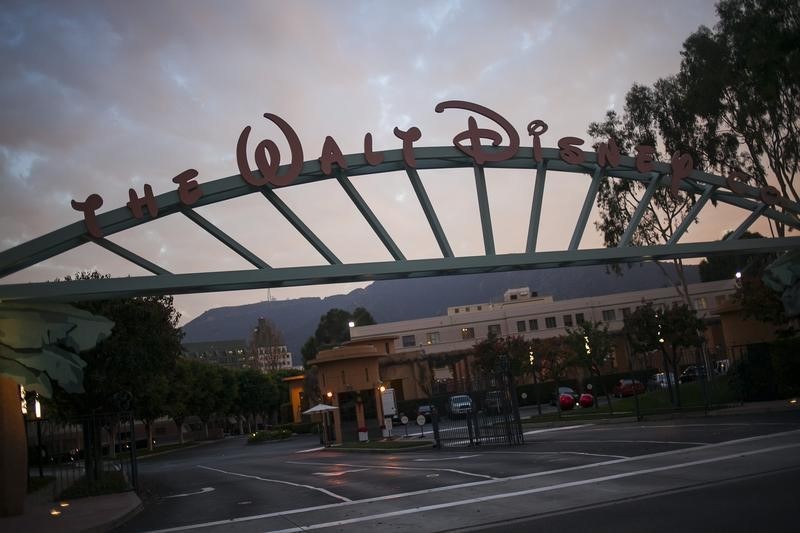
{"x":118,"y":521}
{"x":424,"y":445}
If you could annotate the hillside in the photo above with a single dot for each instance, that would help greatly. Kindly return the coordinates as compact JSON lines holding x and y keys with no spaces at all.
{"x":393,"y":300}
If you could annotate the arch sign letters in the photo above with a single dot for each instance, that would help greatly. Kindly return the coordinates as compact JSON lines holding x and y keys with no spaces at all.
{"x":496,"y":145}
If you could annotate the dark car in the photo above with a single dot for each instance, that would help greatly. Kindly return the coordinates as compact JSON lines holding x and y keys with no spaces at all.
{"x":561,"y":392}
{"x":693,"y":373}
{"x":628,"y":387}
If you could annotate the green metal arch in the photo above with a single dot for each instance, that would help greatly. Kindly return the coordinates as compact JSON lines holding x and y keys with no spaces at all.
{"x":703,"y":186}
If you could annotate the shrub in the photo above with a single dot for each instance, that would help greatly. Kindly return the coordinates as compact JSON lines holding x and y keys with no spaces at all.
{"x":268,"y":435}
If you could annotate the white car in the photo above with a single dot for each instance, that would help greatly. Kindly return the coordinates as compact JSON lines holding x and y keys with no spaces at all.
{"x":459,"y":405}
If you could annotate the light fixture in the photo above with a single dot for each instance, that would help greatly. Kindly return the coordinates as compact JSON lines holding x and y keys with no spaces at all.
{"x":64,"y":504}
{"x":54,"y":512}
{"x":382,"y":388}
{"x":351,"y":324}
{"x":738,"y":275}
{"x":329,"y":394}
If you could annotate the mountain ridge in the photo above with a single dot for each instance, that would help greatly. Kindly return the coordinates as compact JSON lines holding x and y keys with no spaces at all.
{"x":408,"y":299}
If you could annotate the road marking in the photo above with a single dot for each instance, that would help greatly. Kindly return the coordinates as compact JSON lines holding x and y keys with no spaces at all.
{"x":320,"y":489}
{"x":385,"y":467}
{"x":535,"y":431}
{"x":526,"y":492}
{"x":595,"y":441}
{"x":201,"y":491}
{"x":311,"y":449}
{"x":340,"y":473}
{"x":446,"y":458}
{"x":399,"y":495}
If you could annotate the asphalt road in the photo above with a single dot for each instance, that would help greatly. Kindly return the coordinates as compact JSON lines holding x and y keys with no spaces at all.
{"x":653,"y":476}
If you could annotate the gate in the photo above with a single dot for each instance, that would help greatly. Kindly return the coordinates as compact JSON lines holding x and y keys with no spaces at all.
{"x":82,"y":456}
{"x":478,"y":413}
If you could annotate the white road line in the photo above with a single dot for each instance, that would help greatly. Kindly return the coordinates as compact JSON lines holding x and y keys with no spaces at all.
{"x":311,"y":449}
{"x":320,"y":489}
{"x":526,"y":492}
{"x":385,"y":467}
{"x":595,"y":441}
{"x":548,"y":430}
{"x":464,"y":485}
{"x":201,"y":491}
{"x":446,"y":458}
{"x":339,"y":473}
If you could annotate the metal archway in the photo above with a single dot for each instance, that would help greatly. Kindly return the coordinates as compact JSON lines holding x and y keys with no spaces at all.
{"x":703,"y":186}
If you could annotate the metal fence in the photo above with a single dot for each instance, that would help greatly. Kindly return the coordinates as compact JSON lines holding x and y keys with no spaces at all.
{"x":479,"y":414}
{"x":82,"y":456}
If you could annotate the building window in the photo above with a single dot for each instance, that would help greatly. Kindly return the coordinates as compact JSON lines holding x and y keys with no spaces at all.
{"x":456,"y":310}
{"x":626,"y":312}
{"x":520,"y":326}
{"x":533,"y":324}
{"x":550,"y":322}
{"x":513,"y":297}
{"x":466,"y":309}
{"x":432,"y":337}
{"x":467,"y":333}
{"x":579,"y":318}
{"x":609,"y":315}
{"x":567,"y":321}
{"x":480,"y":307}
{"x":494,"y":329}
{"x":700,"y":304}
{"x":409,"y":341}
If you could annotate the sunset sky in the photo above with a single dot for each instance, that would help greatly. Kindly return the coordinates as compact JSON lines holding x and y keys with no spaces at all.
{"x":99,"y":97}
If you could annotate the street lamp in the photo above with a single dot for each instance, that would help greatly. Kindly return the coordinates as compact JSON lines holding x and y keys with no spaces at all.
{"x":532,"y":359}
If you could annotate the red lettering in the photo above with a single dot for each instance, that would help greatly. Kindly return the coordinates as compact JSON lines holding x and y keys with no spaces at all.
{"x":681,"y":168}
{"x":88,"y":208}
{"x":536,"y":129}
{"x":331,"y":153}
{"x":408,"y":138}
{"x":135,"y":204}
{"x":269,"y":168}
{"x":608,"y":154}
{"x":644,"y":158}
{"x":474,"y":134}
{"x":373,"y":158}
{"x":569,"y":151}
{"x":189,"y":190}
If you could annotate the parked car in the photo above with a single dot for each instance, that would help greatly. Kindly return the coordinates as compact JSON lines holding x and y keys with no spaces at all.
{"x":494,"y":401}
{"x":693,"y":373}
{"x":562,"y":391}
{"x":627,"y":387}
{"x":586,"y":400}
{"x":661,"y":378}
{"x":459,"y":405}
{"x":425,"y":410}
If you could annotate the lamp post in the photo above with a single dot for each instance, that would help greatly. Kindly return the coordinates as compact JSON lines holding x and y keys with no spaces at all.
{"x":532,"y":359}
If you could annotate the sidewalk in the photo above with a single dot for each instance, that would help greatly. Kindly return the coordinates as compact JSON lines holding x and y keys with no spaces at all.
{"x":95,"y":514}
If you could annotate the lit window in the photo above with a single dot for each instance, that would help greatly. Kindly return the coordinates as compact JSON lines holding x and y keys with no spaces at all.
{"x":432,"y":337}
{"x":700,"y":304}
{"x":467,"y":333}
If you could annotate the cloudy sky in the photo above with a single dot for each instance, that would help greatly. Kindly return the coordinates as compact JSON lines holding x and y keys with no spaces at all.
{"x":99,"y":97}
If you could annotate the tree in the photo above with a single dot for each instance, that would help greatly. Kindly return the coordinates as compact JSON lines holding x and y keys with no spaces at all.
{"x":742,"y":83}
{"x":680,"y":328}
{"x":643,"y":331}
{"x":592,"y":346}
{"x":495,"y":353}
{"x":732,"y":106}
{"x":554,"y":357}
{"x":333,"y":329}
{"x":179,"y":393}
